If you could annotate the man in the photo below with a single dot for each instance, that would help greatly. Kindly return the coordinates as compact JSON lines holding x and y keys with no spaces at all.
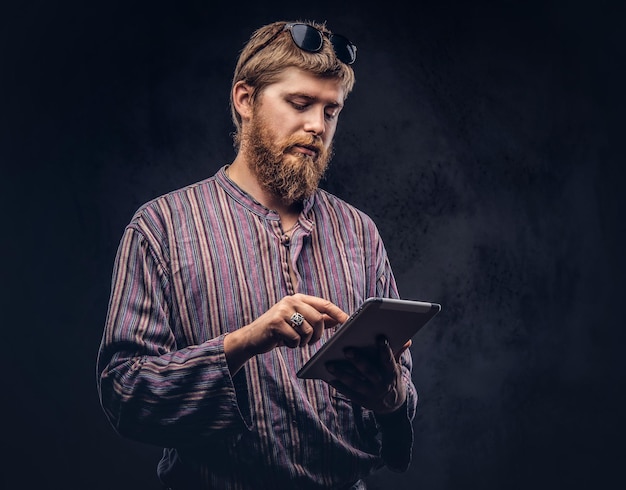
{"x":222,"y":290}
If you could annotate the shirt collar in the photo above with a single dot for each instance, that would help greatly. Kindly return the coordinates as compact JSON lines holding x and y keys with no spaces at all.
{"x":245,"y":199}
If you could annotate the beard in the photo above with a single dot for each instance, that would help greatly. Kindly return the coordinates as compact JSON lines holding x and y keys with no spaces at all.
{"x":287,"y":174}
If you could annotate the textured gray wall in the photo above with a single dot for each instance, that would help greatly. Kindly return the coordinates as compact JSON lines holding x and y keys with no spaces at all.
{"x":481,"y":136}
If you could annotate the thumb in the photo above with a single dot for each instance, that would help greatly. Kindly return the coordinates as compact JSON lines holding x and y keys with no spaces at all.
{"x":401,"y":351}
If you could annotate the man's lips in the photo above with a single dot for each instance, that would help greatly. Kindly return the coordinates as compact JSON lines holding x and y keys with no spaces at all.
{"x":306,"y":149}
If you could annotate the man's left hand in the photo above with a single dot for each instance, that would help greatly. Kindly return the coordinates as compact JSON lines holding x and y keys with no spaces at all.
{"x":371,"y":379}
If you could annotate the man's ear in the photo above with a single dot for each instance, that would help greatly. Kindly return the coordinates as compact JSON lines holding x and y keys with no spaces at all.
{"x":242,"y":99}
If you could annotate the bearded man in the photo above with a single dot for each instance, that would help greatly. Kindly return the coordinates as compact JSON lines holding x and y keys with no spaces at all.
{"x":222,"y":290}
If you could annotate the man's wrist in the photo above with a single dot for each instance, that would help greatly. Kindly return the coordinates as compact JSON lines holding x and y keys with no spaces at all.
{"x":235,"y":351}
{"x":400,"y":413}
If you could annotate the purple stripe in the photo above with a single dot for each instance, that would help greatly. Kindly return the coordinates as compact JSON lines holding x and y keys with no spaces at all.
{"x":200,"y":262}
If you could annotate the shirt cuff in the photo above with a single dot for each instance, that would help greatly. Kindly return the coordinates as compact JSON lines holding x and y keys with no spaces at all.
{"x":397,"y":438}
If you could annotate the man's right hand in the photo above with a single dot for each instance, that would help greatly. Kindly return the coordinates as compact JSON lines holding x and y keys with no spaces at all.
{"x":274,"y":328}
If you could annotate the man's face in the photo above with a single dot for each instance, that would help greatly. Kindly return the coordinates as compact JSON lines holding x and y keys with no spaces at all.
{"x":288,"y":139}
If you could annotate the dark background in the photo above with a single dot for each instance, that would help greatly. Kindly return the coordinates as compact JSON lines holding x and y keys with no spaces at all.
{"x":484,"y":138}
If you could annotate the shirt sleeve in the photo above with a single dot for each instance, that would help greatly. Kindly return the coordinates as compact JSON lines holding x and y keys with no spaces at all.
{"x":151,"y":390}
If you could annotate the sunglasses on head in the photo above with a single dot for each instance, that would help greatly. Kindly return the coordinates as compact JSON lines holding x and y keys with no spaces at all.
{"x":310,"y":39}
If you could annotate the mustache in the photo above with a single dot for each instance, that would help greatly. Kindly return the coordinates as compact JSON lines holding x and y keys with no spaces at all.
{"x":312,"y":142}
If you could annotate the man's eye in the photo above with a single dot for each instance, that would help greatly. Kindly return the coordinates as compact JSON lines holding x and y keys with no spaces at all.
{"x":298,"y":107}
{"x":331,"y":115}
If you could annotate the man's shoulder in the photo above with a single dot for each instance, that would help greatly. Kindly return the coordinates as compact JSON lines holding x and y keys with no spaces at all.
{"x":156,"y":211}
{"x":180,"y":195}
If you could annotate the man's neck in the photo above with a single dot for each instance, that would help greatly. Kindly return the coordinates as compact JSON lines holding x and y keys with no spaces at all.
{"x":240,"y":174}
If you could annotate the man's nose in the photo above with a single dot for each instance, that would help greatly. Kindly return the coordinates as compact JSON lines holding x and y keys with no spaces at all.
{"x":315,"y":122}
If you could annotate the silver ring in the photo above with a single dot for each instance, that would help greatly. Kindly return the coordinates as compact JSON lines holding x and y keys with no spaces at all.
{"x":296,"y":320}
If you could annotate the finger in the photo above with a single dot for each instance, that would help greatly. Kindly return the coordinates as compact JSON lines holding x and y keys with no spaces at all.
{"x":289,"y":336}
{"x":327,"y":308}
{"x":313,"y":326}
{"x":367,"y":367}
{"x":304,"y":330}
{"x":320,"y":313}
{"x":404,"y":348}
{"x":330,"y":322}
{"x":385,"y":355}
{"x":348,"y":375}
{"x":348,"y":392}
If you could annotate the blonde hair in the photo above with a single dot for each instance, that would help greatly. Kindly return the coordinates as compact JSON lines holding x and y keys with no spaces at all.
{"x":270,"y":50}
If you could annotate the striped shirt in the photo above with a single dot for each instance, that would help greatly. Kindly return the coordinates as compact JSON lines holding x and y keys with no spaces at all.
{"x":205,"y":260}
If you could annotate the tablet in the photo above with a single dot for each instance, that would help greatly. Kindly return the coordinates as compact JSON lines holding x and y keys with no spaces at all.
{"x":398,"y":319}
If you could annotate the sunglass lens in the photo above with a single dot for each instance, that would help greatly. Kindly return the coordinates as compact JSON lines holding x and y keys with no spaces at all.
{"x":306,"y":37}
{"x":344,"y":49}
